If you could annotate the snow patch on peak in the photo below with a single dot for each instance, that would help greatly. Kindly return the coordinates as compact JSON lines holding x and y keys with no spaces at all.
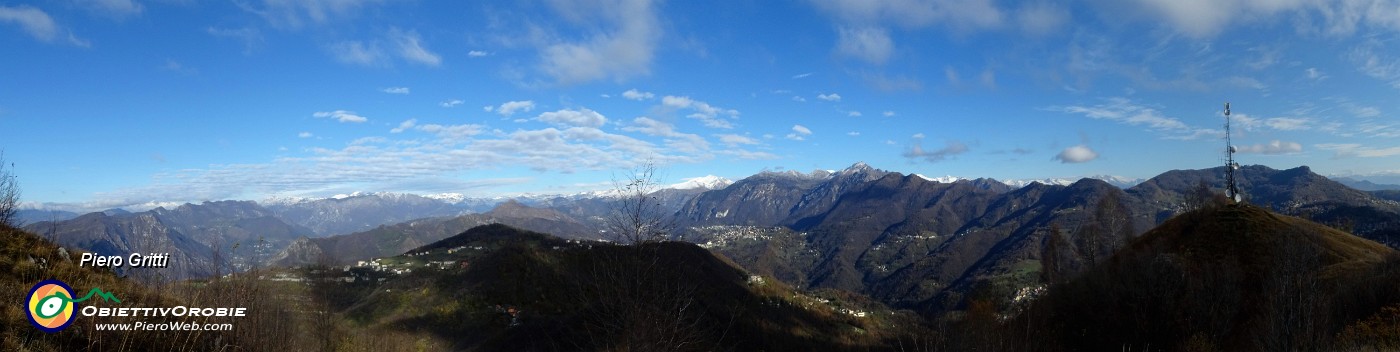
{"x":452,"y":198}
{"x":858,"y":167}
{"x":944,"y":179}
{"x":1118,"y":181}
{"x":1043,"y":181}
{"x":711,"y":182}
{"x":289,"y":200}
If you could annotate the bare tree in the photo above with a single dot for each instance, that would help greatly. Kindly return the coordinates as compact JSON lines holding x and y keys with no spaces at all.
{"x":9,"y":193}
{"x":1199,"y":196}
{"x":637,"y":215}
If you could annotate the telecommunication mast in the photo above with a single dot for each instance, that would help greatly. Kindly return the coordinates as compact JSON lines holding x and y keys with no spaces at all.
{"x":1232,"y":190}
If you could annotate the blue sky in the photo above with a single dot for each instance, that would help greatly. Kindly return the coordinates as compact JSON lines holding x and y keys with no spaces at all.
{"x":130,"y":103}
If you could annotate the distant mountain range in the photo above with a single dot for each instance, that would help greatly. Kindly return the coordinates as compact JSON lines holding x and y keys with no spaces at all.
{"x":1365,"y":185}
{"x":911,"y":242}
{"x":203,"y":240}
{"x":907,"y":240}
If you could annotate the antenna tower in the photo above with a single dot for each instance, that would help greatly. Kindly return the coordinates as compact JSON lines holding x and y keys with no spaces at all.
{"x":1231,"y":190}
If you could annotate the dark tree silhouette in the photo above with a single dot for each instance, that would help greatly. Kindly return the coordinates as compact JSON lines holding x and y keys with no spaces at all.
{"x":637,"y":215}
{"x":9,"y":193}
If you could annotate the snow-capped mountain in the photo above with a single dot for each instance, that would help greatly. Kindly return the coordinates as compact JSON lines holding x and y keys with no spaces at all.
{"x":1117,"y":181}
{"x":1044,"y":181}
{"x":703,"y":182}
{"x":452,"y":198}
{"x":944,"y":179}
{"x":1120,"y":181}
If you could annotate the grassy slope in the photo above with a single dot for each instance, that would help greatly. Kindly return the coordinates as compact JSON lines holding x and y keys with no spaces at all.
{"x":1233,"y":277}
{"x":18,"y":274}
{"x":574,"y":296}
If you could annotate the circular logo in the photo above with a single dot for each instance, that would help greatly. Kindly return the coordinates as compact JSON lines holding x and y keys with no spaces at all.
{"x":51,"y":305}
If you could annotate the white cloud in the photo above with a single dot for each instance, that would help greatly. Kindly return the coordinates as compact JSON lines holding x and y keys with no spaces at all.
{"x":1248,"y":122}
{"x":681,"y":142}
{"x":573,"y":118}
{"x":477,"y":53}
{"x":952,"y":76}
{"x":453,"y":132}
{"x":748,"y":154}
{"x":305,"y":135}
{"x":802,"y":75}
{"x":734,"y":140}
{"x":292,"y":14}
{"x":32,"y":20}
{"x":175,"y":66}
{"x":1380,"y":130}
{"x":1041,"y":18}
{"x":708,"y":114}
{"x":358,"y":53}
{"x":451,"y":103}
{"x":1372,"y":59}
{"x":960,"y":15}
{"x":341,"y":115}
{"x":888,"y":113}
{"x":853,"y":114}
{"x":1315,"y":74}
{"x":1204,"y":18}
{"x":650,"y":126}
{"x":634,"y":94}
{"x":1273,"y":147}
{"x":853,"y":133}
{"x":1363,"y":111}
{"x":404,"y":126}
{"x":443,"y":152}
{"x":917,"y":136}
{"x":801,"y":129}
{"x":1288,"y":123}
{"x":395,"y":90}
{"x":799,"y":132}
{"x":115,"y":8}
{"x":871,"y":44}
{"x":891,"y":84}
{"x":405,"y":44}
{"x":1124,"y":111}
{"x":1077,"y":154}
{"x":250,"y":37}
{"x":488,"y":108}
{"x":622,"y":41}
{"x":829,"y":97}
{"x":411,"y":48}
{"x":799,"y":99}
{"x":1346,"y":150}
{"x":953,"y":148}
{"x":512,"y":107}
{"x":862,"y":24}
{"x":689,"y":144}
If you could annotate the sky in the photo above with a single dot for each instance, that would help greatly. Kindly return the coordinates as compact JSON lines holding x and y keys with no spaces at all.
{"x":138,"y":103}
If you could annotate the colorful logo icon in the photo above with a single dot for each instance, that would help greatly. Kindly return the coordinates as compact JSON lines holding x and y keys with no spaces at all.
{"x":51,"y":305}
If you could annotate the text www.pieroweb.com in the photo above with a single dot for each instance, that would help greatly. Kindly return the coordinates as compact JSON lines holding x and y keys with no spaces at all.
{"x":176,"y":326}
